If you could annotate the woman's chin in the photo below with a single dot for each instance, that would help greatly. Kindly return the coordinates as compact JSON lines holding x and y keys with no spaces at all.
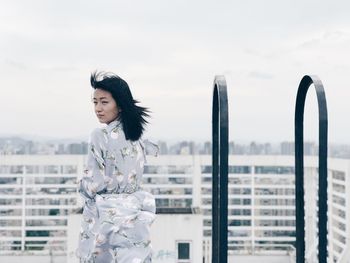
{"x":101,"y":121}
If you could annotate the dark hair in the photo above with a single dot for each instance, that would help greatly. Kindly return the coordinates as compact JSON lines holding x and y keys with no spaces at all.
{"x":131,"y":116}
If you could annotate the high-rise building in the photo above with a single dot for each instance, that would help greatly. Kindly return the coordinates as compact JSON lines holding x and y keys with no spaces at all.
{"x":38,"y":192}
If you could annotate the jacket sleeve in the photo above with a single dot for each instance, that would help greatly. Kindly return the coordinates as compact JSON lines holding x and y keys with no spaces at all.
{"x":92,"y":181}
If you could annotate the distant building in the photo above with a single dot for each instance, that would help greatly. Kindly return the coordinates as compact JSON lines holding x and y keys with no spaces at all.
{"x":231,"y":147}
{"x":254,"y":148}
{"x":207,"y":148}
{"x":187,"y":148}
{"x":163,"y":147}
{"x":38,"y":193}
{"x":287,"y":148}
{"x":239,"y":149}
{"x":310,"y":148}
{"x":61,"y":149}
{"x":77,"y":148}
{"x":267,"y":149}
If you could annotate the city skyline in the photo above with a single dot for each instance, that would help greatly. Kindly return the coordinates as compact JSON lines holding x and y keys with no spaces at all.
{"x":50,"y":48}
{"x":25,"y":146}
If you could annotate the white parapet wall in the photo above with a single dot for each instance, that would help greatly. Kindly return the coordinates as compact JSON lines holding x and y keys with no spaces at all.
{"x":260,"y":259}
{"x":168,"y":230}
{"x":24,"y":257}
{"x":74,"y":221}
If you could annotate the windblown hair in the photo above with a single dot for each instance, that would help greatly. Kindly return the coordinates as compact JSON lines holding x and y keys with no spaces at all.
{"x":131,"y":116}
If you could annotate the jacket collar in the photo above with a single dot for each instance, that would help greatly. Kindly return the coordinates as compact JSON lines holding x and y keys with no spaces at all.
{"x":112,"y":125}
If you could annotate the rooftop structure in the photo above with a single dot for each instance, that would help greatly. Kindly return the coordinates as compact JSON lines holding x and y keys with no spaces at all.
{"x":38,"y":193}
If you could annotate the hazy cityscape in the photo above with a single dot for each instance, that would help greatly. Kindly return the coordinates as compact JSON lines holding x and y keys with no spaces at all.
{"x":20,"y":146}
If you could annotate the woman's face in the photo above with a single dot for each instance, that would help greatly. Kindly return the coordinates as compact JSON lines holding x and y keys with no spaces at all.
{"x":106,"y":108}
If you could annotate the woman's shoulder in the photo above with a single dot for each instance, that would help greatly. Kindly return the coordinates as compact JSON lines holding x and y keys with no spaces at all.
{"x":97,"y":134}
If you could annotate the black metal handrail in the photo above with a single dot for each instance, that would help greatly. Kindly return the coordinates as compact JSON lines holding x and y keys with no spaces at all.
{"x":219,"y":171}
{"x":304,"y":85}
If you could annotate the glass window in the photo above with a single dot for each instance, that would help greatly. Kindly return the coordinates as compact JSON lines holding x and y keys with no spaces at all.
{"x":183,"y":251}
{"x":274,"y":170}
{"x":232,"y":169}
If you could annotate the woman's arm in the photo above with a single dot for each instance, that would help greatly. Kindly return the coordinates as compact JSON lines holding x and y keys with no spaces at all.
{"x":93,"y":178}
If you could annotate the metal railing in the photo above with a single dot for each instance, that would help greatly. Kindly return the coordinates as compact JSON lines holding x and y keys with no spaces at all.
{"x":304,"y":85}
{"x":220,"y":170}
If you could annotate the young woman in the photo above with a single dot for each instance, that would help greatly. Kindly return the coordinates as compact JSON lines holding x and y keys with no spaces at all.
{"x":117,"y":213}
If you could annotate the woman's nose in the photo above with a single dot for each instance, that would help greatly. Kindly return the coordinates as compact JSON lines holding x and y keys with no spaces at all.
{"x":98,"y":107}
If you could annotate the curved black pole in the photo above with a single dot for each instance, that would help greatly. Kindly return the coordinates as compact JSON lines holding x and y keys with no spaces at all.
{"x":322,"y":167}
{"x":219,"y":171}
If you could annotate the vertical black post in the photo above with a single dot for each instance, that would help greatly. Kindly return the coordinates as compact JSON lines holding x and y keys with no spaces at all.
{"x":219,"y":171}
{"x":322,"y":167}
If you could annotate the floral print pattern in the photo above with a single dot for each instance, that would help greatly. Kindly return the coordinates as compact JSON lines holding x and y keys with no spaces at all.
{"x":117,"y":213}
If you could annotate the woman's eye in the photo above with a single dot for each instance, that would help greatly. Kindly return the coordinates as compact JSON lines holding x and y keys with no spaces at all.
{"x":94,"y":102}
{"x":104,"y":102}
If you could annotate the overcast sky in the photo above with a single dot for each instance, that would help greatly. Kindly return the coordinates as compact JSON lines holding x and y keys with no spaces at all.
{"x":169,"y":53}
